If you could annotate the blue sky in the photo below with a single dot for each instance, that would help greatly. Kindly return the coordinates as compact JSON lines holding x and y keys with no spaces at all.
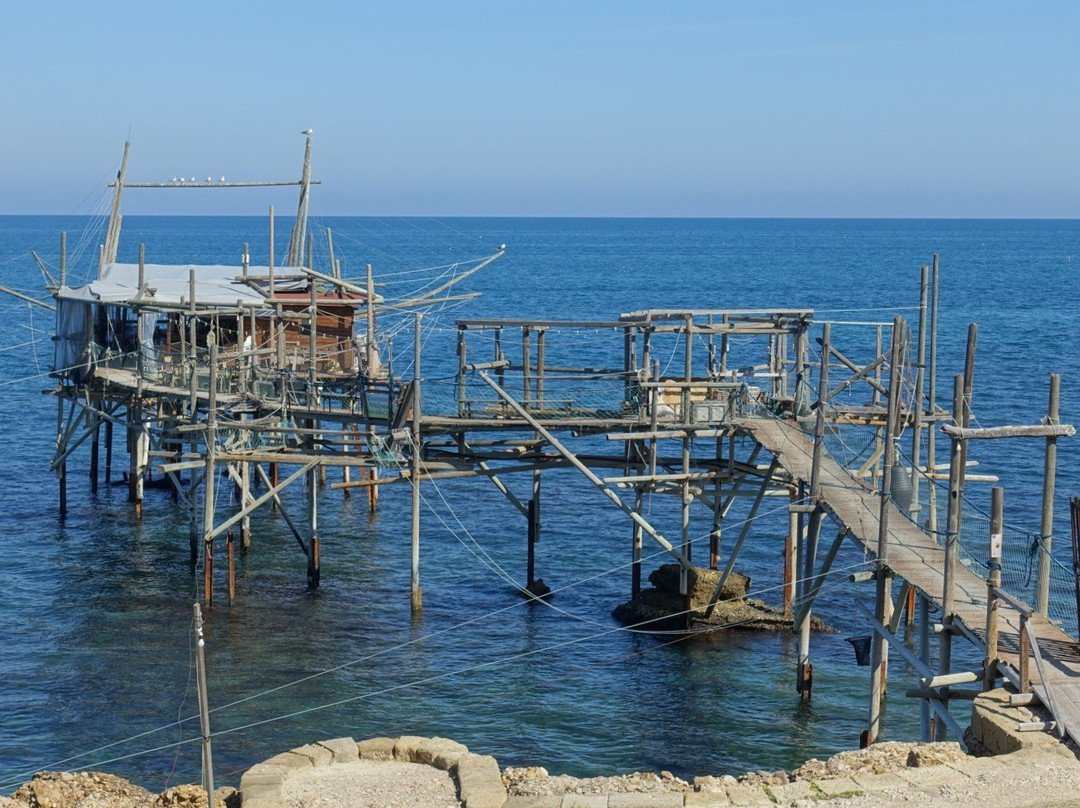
{"x":585,"y":108}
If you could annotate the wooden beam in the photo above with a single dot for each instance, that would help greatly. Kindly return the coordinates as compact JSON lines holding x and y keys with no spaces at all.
{"x":1030,"y":431}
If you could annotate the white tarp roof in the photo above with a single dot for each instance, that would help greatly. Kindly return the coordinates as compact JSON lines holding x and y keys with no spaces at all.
{"x":166,"y":284}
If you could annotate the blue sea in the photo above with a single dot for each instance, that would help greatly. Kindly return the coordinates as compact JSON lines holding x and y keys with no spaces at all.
{"x":96,"y":643}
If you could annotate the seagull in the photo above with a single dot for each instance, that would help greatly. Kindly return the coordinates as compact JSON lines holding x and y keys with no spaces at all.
{"x":174,"y":179}
{"x":308,"y":132}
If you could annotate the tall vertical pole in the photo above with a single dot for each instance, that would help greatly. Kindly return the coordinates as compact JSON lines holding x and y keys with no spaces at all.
{"x":931,"y":402}
{"x":952,"y":534}
{"x":917,"y":410}
{"x":372,"y":370}
{"x":61,"y":471}
{"x":208,"y":481}
{"x":1046,"y":528}
{"x":993,"y":582}
{"x":687,"y":418}
{"x":807,"y":543}
{"x":270,"y":258}
{"x":416,"y":591}
{"x":193,"y":415}
{"x":926,"y":729}
{"x":879,"y":652}
{"x":204,"y":709}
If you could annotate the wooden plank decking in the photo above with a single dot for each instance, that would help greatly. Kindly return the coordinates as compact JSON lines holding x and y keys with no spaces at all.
{"x":917,"y":558}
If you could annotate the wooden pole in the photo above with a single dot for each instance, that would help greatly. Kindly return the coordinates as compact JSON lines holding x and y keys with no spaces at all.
{"x":807,"y":546}
{"x":95,"y":425}
{"x":917,"y":410}
{"x":416,"y":592}
{"x":210,"y":473}
{"x":952,"y":538}
{"x":526,"y":368}
{"x":204,"y":708}
{"x":231,"y":550}
{"x":1042,"y":600}
{"x":931,"y":401}
{"x":270,"y":258}
{"x":63,"y":258}
{"x":108,"y":452}
{"x":541,"y":335}
{"x":926,"y":726}
{"x":993,"y":582}
{"x":61,"y":471}
{"x":879,"y":652}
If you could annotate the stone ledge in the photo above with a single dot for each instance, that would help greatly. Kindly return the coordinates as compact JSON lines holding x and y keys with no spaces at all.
{"x":477,"y":777}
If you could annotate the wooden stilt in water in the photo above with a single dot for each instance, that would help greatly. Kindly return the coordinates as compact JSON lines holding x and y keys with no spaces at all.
{"x":926,"y":723}
{"x":879,"y":649}
{"x":211,"y":471}
{"x":789,"y":571}
{"x":95,"y":451}
{"x":61,"y":471}
{"x":635,"y":552}
{"x":231,"y":547}
{"x":208,"y":572}
{"x":417,"y":594}
{"x":530,"y":572}
{"x":108,"y":452}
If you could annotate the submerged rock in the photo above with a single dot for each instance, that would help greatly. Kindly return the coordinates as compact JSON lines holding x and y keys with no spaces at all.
{"x":662,"y":608}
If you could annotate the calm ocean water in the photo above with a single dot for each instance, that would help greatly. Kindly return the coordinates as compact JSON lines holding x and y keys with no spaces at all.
{"x":96,"y":617}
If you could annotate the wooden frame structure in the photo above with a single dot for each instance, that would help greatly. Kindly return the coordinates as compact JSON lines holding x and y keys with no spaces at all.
{"x":284,"y":380}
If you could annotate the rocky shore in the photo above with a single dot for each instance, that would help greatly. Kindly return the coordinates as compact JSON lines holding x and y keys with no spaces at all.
{"x":1016,"y":769}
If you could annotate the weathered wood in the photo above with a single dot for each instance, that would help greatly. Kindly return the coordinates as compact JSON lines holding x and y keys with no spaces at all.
{"x":1031,"y":431}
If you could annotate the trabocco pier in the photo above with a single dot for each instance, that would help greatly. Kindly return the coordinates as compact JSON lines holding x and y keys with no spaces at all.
{"x":266,"y":377}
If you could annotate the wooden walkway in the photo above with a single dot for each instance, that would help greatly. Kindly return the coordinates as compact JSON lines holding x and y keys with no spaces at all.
{"x":916,"y":557}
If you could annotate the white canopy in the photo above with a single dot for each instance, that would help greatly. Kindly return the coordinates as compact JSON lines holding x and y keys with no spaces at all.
{"x":168,"y":285}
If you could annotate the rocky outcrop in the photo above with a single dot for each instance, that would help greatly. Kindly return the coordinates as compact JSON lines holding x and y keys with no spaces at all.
{"x":98,"y":790}
{"x":662,"y":608}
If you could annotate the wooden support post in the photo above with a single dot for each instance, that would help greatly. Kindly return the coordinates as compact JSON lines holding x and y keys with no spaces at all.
{"x":210,"y":474}
{"x":926,"y":725}
{"x":1046,"y":529}
{"x":95,"y":425}
{"x":541,"y":338}
{"x":879,"y":651}
{"x":245,"y":500}
{"x":931,"y":401}
{"x":204,"y":709}
{"x":952,"y":538}
{"x":526,"y":368}
{"x":1024,"y":657}
{"x":993,"y":583}
{"x":108,"y":452}
{"x":61,"y":471}
{"x":530,"y":573}
{"x":635,"y":552}
{"x":417,"y":594}
{"x":809,"y":541}
{"x":789,"y":570}
{"x":231,"y":547}
{"x":917,"y":408}
{"x":462,"y":361}
{"x":313,"y":560}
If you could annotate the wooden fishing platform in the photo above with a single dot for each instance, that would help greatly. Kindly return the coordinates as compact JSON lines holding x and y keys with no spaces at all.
{"x":275,"y":374}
